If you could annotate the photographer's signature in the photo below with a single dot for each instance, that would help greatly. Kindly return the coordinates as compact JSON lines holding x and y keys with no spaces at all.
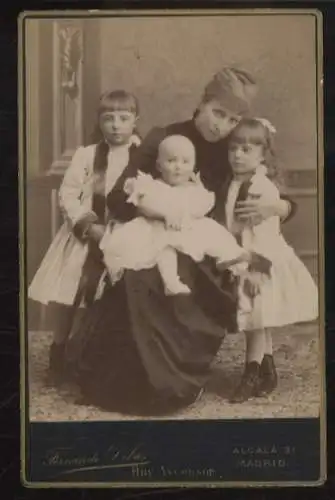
{"x":114,"y":457}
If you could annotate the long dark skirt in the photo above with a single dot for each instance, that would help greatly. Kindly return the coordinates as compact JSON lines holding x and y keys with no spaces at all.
{"x":139,"y":351}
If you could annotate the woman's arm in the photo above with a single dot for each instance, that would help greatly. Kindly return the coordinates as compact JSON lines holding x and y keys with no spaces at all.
{"x":289,"y":208}
{"x":261,"y":237}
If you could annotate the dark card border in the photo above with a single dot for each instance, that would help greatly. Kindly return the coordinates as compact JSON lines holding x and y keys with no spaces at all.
{"x":176,"y":434}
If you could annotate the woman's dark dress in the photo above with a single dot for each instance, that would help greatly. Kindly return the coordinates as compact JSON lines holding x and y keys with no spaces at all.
{"x":137,"y":350}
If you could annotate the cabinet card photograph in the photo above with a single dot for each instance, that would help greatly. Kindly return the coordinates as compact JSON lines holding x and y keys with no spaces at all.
{"x":172,"y":309}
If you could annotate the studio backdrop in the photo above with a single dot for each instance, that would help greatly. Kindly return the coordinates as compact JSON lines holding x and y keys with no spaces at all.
{"x":166,"y":62}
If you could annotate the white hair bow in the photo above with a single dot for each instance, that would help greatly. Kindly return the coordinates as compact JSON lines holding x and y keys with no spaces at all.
{"x":267,"y":124}
{"x":261,"y":170}
{"x":134,"y":139}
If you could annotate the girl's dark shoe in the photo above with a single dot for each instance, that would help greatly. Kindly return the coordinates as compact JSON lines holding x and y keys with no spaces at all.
{"x":268,"y":376}
{"x":249,"y":385}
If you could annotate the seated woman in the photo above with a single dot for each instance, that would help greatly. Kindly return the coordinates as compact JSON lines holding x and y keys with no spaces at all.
{"x":137,"y":350}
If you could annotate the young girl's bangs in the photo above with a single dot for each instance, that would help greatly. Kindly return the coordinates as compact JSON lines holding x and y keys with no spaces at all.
{"x":118,"y":101}
{"x":252,"y":132}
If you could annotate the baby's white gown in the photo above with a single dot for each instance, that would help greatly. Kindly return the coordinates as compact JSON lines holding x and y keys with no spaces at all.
{"x":137,"y":244}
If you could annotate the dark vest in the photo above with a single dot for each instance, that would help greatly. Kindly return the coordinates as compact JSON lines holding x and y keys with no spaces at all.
{"x":94,"y":266}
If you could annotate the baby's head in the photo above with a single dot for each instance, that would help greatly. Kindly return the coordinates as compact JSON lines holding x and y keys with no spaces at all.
{"x":251,"y":145}
{"x":176,"y":160}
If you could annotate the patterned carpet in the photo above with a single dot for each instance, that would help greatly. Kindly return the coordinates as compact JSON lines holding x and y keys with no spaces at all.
{"x":298,"y":395}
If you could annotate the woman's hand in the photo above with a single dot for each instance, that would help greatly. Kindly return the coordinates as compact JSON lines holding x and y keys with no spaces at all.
{"x":96,"y":232}
{"x":256,"y":211}
{"x":238,"y":265}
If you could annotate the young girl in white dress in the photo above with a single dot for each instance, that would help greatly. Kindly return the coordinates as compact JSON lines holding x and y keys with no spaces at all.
{"x":288,"y":294}
{"x":179,"y":203}
{"x":73,"y":258}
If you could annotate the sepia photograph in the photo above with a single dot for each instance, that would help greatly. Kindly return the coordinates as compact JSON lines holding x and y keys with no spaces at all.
{"x":172,"y":194}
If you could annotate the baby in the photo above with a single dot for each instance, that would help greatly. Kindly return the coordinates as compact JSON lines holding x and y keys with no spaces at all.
{"x":174,"y":209}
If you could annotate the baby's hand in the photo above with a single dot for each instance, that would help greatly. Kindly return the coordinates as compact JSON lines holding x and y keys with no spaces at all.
{"x":135,"y":139}
{"x":174,"y":219}
{"x":129,"y":186}
{"x":177,"y":218}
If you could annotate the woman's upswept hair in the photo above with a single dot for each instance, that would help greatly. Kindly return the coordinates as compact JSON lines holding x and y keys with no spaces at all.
{"x":254,"y":131}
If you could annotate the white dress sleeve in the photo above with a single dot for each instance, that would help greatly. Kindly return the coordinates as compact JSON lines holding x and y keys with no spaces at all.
{"x":71,"y":192}
{"x":197,"y":201}
{"x":262,"y":238}
{"x":149,"y":195}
